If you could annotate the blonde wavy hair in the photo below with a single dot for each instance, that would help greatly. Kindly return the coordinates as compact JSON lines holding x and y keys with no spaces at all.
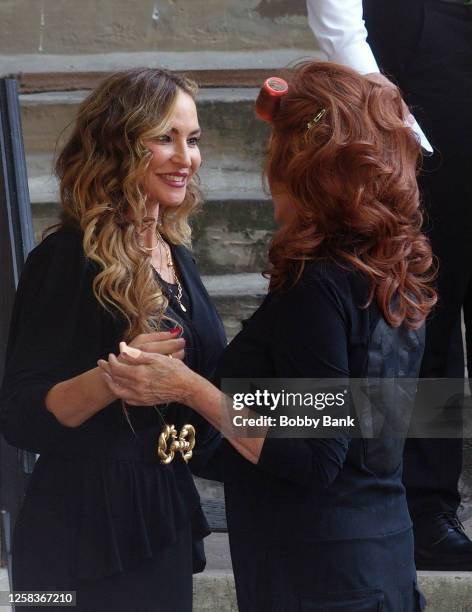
{"x":101,"y":170}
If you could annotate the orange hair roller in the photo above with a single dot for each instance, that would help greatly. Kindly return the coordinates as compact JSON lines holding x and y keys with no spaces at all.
{"x":268,"y":100}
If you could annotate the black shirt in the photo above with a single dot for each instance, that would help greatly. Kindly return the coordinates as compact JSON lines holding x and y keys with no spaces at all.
{"x":306,"y":491}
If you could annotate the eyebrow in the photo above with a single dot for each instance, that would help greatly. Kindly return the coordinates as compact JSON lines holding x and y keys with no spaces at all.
{"x":194,"y":133}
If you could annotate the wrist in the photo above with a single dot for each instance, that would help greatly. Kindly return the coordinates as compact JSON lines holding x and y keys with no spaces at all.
{"x":197,"y":392}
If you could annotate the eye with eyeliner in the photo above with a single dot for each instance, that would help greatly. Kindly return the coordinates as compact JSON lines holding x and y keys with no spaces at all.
{"x":164,"y":138}
{"x":194,"y":141}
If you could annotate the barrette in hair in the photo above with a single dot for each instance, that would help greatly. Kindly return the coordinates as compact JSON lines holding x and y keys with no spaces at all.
{"x":268,"y":100}
{"x":316,"y":119}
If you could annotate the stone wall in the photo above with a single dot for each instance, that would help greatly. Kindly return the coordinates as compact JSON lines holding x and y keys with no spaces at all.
{"x":111,"y":26}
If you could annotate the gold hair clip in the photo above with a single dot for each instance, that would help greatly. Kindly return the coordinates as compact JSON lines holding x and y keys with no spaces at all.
{"x":316,"y":119}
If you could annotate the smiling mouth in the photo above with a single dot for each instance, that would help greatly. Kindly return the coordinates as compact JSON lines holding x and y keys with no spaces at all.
{"x":174,"y":180}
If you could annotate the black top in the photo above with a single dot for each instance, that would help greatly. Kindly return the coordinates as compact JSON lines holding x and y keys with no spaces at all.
{"x":315,"y":490}
{"x":121,"y":503}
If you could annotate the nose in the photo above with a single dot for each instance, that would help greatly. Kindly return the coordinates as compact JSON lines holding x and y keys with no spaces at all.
{"x":182,"y":155}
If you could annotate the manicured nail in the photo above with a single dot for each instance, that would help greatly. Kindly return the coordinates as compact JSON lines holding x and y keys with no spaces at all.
{"x":176,"y":330}
{"x":132,"y":352}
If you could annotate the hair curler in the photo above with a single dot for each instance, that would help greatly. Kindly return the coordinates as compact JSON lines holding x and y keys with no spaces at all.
{"x":268,"y":100}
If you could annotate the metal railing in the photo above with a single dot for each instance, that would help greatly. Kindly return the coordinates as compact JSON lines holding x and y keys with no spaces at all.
{"x":16,"y":241}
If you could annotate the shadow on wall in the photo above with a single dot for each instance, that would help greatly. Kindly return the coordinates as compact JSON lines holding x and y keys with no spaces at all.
{"x":272,"y":9}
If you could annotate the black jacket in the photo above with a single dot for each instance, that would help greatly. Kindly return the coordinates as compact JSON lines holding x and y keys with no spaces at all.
{"x":99,"y":495}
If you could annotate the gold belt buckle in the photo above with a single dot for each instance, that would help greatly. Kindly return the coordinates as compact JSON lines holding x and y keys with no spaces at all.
{"x":171,"y":443}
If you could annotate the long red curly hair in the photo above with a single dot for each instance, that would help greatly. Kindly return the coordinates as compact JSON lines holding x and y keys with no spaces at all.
{"x":351,"y":179}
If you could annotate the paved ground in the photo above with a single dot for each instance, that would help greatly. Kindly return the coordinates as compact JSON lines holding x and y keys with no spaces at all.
{"x":4,"y":586}
{"x":214,"y":589}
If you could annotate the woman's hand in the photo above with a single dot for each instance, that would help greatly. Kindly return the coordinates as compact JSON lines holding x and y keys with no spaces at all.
{"x":163,"y":343}
{"x":145,"y":379}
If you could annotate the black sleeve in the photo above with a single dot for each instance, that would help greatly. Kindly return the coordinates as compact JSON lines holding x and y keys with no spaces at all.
{"x":207,"y":461}
{"x":55,"y":334}
{"x":311,"y":341}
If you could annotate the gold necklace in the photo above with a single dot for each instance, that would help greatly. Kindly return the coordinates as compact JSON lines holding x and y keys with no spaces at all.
{"x":170,"y":265}
{"x":150,"y":248}
{"x":146,"y":222}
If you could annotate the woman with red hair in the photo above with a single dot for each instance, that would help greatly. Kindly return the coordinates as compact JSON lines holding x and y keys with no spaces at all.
{"x":322,"y":523}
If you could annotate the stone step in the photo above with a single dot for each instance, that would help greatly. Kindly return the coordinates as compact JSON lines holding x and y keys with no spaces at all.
{"x":51,"y":27}
{"x":31,"y":69}
{"x":444,"y":591}
{"x":236,"y":297}
{"x":213,"y":590}
{"x":41,"y":82}
{"x":233,"y":138}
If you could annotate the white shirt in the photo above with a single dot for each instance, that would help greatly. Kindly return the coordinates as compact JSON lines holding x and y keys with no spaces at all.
{"x":339,"y":28}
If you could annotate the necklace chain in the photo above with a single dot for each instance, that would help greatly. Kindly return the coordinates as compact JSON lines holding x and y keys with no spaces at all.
{"x":153,"y":248}
{"x":170,"y":265}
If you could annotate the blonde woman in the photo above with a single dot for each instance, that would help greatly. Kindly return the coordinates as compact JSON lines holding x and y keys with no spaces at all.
{"x":111,"y":510}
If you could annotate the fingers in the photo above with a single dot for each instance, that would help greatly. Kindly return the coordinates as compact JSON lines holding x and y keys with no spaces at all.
{"x":103,"y":365}
{"x":155,"y":337}
{"x":119,"y":380}
{"x":117,"y":389}
{"x":129,"y":350}
{"x":164,"y":347}
{"x":120,"y":390}
{"x":123,"y":369}
{"x":179,"y":355}
{"x":135,"y":357}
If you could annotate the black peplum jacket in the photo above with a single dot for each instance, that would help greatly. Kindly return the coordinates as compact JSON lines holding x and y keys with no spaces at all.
{"x":99,"y":501}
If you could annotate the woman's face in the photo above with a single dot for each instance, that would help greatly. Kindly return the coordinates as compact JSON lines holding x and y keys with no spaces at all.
{"x":175,"y":157}
{"x":283,"y":209}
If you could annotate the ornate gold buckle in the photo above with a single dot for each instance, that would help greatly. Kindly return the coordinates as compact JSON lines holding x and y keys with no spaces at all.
{"x":169,"y":443}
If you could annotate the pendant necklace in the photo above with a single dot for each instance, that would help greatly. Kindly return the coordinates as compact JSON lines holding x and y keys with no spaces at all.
{"x":170,"y":265}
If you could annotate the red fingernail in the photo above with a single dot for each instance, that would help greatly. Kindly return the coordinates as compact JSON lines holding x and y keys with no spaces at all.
{"x":176,"y":330}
